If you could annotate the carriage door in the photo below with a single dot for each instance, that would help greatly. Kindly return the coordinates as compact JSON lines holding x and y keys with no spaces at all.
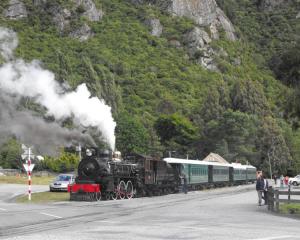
{"x":148,"y":172}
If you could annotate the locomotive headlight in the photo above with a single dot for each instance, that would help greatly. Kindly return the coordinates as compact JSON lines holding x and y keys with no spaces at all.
{"x":88,"y":152}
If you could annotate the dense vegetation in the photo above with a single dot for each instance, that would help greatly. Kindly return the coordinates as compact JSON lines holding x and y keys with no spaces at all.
{"x":163,"y":101}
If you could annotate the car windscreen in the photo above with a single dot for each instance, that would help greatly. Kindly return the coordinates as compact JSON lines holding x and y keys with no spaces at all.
{"x":63,"y":178}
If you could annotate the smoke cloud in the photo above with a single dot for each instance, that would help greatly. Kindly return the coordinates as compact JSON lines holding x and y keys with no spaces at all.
{"x":8,"y":43}
{"x":20,"y":79}
{"x":33,"y":130}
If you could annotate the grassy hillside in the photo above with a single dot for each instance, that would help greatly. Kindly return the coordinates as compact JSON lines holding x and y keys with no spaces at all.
{"x":167,"y":100}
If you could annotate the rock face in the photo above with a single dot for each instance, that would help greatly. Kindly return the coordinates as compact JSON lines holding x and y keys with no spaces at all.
{"x":211,"y":21}
{"x":90,"y":10}
{"x":16,"y":10}
{"x":62,"y":17}
{"x":205,"y":13}
{"x":202,"y":12}
{"x":156,"y":27}
{"x":83,"y":33}
{"x":196,"y":39}
{"x":197,"y":42}
{"x":225,"y":23}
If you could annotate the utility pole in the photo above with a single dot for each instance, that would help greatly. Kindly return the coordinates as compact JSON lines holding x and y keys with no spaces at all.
{"x":269,"y":158}
{"x":271,"y":153}
{"x":170,"y":153}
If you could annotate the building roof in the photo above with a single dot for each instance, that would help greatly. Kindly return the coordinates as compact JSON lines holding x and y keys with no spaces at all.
{"x":213,"y":157}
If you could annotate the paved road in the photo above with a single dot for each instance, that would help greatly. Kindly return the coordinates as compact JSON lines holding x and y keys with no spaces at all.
{"x":228,"y":213}
{"x":9,"y":191}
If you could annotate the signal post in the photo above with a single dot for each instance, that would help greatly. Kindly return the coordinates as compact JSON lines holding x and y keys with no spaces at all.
{"x":27,"y":154}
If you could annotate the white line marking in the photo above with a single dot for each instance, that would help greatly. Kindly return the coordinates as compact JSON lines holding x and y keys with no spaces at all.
{"x":193,"y":228}
{"x":272,"y":238}
{"x":112,"y":222}
{"x":50,"y":215}
{"x":2,"y":209}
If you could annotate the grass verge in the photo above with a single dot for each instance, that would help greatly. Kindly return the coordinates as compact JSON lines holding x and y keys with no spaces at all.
{"x":44,"y":197}
{"x":292,"y":208}
{"x":22,"y":179}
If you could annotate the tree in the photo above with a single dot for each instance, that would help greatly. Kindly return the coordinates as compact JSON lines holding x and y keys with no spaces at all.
{"x":292,"y":107}
{"x":233,"y":136}
{"x":10,"y":155}
{"x":288,"y":65}
{"x":273,"y":147}
{"x":131,"y":135}
{"x":295,"y":151}
{"x":212,"y":109}
{"x":248,"y":97}
{"x":175,"y":131}
{"x":65,"y":162}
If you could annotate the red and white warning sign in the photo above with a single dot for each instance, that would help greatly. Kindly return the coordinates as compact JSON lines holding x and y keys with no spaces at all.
{"x":28,"y":168}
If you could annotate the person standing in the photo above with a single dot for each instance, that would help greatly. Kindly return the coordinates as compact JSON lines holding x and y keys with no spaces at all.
{"x":260,"y":187}
{"x":185,"y":187}
{"x":275,"y":179}
{"x":286,"y":180}
{"x":266,"y":186}
{"x":281,"y":181}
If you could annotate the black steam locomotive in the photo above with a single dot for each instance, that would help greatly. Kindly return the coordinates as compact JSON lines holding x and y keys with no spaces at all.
{"x":102,"y":174}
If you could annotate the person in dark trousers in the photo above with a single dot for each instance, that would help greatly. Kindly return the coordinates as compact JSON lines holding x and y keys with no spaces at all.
{"x":185,"y":187}
{"x":184,"y":183}
{"x":275,"y":179}
{"x":260,"y":187}
{"x":266,"y":186}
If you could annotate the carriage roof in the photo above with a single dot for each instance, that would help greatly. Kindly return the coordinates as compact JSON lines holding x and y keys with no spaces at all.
{"x":199,"y":162}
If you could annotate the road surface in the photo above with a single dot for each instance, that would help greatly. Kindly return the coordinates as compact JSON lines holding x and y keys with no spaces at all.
{"x":227,"y":213}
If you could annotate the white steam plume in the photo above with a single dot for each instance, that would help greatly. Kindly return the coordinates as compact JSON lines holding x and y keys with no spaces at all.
{"x":8,"y":43}
{"x":30,"y":80}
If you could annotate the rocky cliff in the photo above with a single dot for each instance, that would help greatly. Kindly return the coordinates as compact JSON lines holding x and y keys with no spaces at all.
{"x":61,"y":16}
{"x":210,"y":21}
{"x":205,"y":13}
{"x":15,"y":10}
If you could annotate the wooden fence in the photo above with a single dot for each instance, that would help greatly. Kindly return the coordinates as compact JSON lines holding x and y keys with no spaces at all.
{"x":274,"y":197}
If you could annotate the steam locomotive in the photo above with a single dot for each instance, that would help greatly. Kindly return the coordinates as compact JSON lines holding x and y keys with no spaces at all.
{"x":105,"y":175}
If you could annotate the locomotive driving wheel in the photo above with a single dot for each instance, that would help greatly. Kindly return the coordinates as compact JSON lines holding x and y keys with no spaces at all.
{"x":129,"y":190}
{"x":98,"y":196}
{"x":89,"y":196}
{"x":114,"y":195}
{"x":122,"y":189}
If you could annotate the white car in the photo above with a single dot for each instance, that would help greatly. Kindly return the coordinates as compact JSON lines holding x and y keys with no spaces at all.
{"x":295,"y":180}
{"x":61,"y":182}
